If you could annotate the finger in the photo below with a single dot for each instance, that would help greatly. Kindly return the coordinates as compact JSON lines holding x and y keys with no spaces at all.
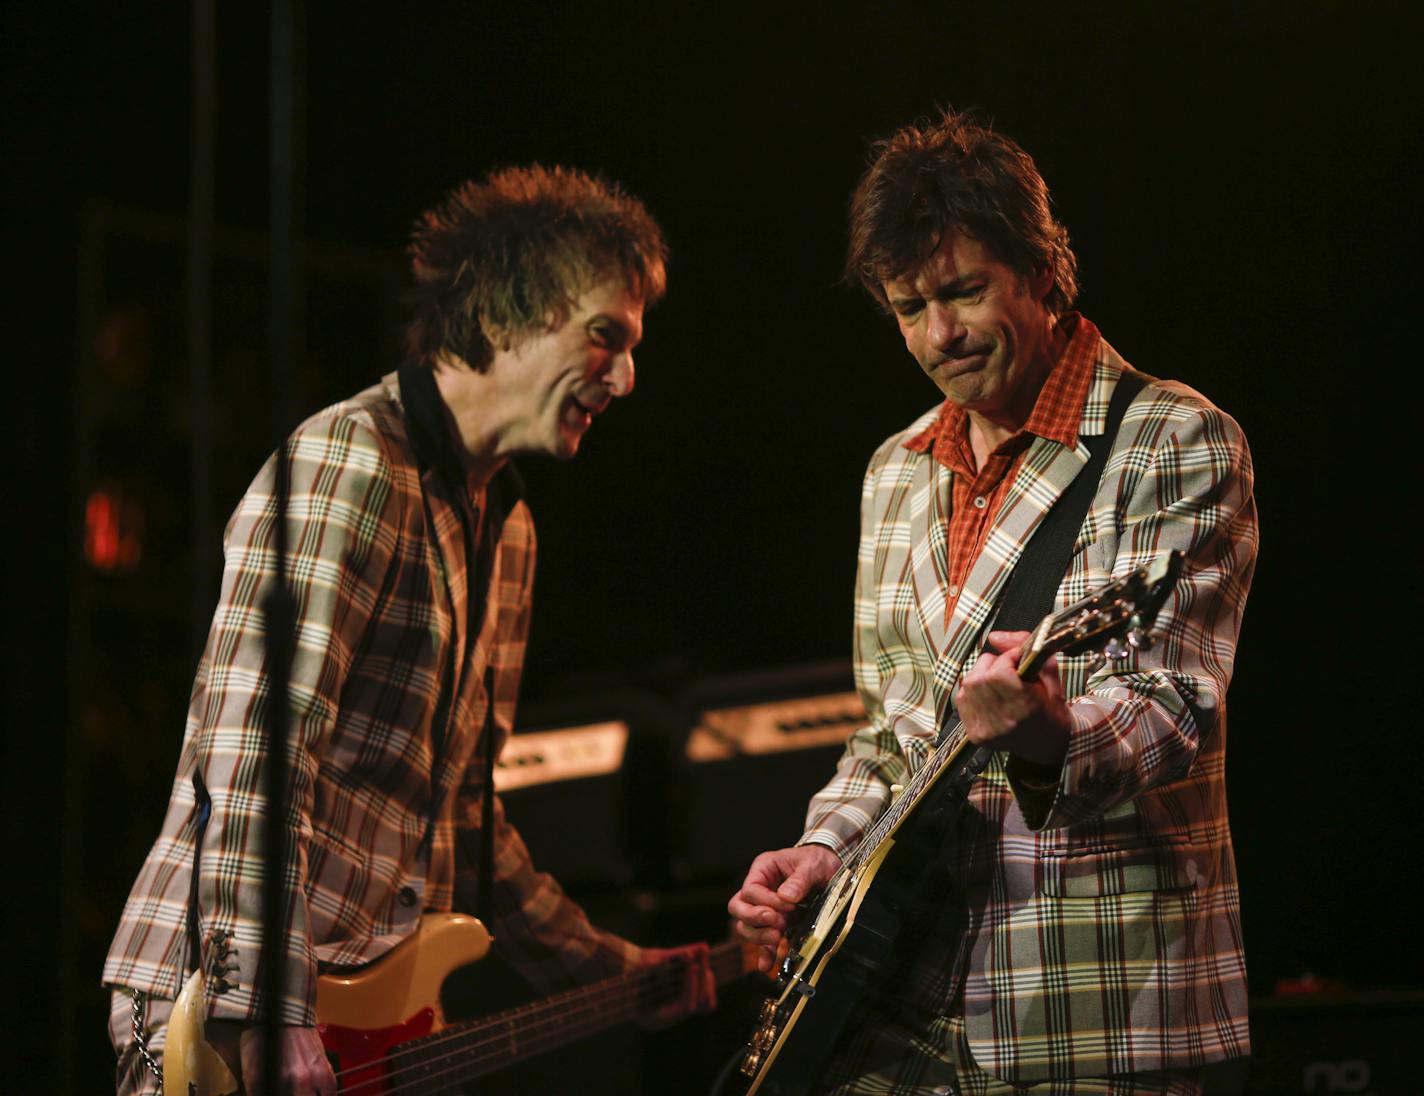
{"x":757,"y":916}
{"x":754,"y":894}
{"x":754,"y":935}
{"x":1006,"y":641}
{"x":799,"y":883}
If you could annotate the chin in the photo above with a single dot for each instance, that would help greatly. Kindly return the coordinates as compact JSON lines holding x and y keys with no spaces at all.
{"x":566,"y":447}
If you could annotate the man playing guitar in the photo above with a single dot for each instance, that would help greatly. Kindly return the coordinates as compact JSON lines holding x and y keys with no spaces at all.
{"x":411,"y":565}
{"x":1078,"y":927}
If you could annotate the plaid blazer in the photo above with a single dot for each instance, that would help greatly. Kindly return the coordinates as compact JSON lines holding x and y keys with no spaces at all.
{"x":384,"y":805}
{"x":1102,"y":932}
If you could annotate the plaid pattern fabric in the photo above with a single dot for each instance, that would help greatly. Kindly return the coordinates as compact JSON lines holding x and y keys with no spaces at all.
{"x":1100,"y":926}
{"x":378,"y":570}
{"x":892,"y":1053}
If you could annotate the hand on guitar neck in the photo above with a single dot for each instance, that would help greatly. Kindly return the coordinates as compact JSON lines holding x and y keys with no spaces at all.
{"x":1027,"y":716}
{"x":699,"y":985}
{"x":776,"y":884}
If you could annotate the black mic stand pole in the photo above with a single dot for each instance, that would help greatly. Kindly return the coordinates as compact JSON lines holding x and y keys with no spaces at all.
{"x":279,"y":611}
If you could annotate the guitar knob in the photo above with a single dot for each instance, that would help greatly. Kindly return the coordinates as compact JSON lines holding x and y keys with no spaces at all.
{"x":1115,"y":650}
{"x":1095,"y":662}
{"x":1139,"y":640}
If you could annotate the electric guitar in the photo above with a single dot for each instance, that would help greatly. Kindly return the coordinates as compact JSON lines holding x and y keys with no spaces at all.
{"x":384,"y":1031}
{"x":842,"y":942}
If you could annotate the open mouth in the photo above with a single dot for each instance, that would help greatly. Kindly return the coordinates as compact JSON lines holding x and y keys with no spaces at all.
{"x":589,"y":409}
{"x":578,"y":414}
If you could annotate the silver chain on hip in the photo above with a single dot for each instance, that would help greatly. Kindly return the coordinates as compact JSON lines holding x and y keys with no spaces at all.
{"x":141,"y":1038}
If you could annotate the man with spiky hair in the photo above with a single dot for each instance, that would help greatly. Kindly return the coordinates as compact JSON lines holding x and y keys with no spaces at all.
{"x":1077,"y":930}
{"x":411,"y":564}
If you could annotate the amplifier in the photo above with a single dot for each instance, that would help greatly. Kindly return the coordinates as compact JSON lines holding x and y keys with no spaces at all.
{"x":759,"y":747}
{"x":777,"y":726}
{"x":566,"y":790}
{"x":571,"y":753}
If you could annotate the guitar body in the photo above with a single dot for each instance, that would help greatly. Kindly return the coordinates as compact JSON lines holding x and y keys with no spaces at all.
{"x":848,"y":946}
{"x":361,"y":1016}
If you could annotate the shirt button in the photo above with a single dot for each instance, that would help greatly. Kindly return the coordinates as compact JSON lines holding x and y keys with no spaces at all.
{"x":953,"y":589}
{"x":407,"y":896}
{"x":980,"y":502}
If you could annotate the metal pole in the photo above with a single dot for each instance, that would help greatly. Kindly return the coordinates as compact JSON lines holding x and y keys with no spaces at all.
{"x":200,"y":312}
{"x":278,"y":607}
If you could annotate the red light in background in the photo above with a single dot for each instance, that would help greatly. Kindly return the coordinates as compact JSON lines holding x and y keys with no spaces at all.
{"x":113,"y":530}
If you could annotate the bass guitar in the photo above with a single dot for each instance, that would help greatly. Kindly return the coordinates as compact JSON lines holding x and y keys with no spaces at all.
{"x":843,"y":939}
{"x":384,"y":1031}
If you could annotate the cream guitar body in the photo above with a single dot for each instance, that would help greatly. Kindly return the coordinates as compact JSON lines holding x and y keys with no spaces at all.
{"x":360,"y":1016}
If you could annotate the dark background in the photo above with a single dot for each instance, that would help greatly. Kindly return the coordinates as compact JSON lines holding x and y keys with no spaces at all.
{"x":1239,"y":181}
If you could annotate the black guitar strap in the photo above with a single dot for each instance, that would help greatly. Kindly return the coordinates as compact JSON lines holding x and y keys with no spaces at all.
{"x":1028,"y":598}
{"x":481,"y":533}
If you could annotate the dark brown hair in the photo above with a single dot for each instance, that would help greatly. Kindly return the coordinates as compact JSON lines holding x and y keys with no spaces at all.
{"x":932,"y":178}
{"x":517,"y":250}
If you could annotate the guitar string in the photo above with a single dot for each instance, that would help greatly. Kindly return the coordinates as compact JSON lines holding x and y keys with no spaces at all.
{"x":532,"y":1038}
{"x":469,"y":1053}
{"x":569,"y":1006}
{"x":606,"y":1003}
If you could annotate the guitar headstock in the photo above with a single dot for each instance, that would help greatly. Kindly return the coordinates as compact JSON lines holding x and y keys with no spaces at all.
{"x":1123,"y":610}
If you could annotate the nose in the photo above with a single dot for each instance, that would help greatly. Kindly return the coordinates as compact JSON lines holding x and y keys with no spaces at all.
{"x":620,"y":377}
{"x":944,"y":328}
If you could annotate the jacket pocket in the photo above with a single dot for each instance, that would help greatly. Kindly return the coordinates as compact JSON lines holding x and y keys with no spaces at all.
{"x":1095,"y":872}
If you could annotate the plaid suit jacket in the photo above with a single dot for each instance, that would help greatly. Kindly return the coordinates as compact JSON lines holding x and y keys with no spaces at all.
{"x":384,"y":806}
{"x":1097,"y":929}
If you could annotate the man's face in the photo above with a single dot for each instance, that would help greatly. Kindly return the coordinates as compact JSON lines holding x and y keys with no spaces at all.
{"x":556,"y":380}
{"x":978,"y":330}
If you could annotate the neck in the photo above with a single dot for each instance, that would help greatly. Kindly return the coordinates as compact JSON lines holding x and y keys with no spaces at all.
{"x":470,"y":416}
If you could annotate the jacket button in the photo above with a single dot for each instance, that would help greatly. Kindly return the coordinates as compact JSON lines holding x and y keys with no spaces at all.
{"x":407,"y":896}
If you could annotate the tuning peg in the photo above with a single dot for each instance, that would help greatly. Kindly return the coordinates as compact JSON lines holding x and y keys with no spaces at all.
{"x":1139,"y":640}
{"x":1115,"y":650}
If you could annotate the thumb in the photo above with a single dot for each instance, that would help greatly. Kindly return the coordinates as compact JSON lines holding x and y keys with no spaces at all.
{"x":798,"y":883}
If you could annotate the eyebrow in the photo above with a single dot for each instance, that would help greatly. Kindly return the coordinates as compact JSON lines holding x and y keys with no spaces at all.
{"x":956,"y":285}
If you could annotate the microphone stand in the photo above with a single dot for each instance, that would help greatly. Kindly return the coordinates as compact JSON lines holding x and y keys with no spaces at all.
{"x":278,"y":607}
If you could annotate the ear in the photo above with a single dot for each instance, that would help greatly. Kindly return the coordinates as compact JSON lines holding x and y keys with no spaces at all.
{"x":1041,"y":280}
{"x":498,"y":337}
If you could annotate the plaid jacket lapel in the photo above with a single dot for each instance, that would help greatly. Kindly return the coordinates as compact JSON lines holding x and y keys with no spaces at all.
{"x":928,"y":519}
{"x":1047,"y":470}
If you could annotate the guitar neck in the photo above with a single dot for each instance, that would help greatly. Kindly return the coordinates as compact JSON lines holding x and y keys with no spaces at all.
{"x":951,"y":746}
{"x":476,"y":1048}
